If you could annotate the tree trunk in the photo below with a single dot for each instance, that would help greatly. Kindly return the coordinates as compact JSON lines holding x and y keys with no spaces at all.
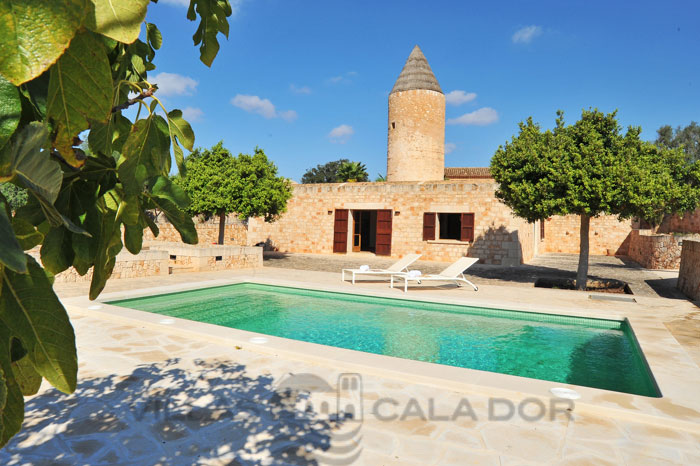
{"x":222,"y":226}
{"x":582,"y":273}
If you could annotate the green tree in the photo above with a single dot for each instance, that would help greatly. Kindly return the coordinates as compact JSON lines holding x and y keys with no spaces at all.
{"x":380,"y":178}
{"x":687,"y":138}
{"x":587,"y":169}
{"x":218,"y":184}
{"x":16,"y":196}
{"x":67,"y":66}
{"x":353,"y":171}
{"x":326,"y":173}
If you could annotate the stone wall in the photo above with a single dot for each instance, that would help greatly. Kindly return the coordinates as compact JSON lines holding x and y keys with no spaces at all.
{"x":689,"y":273}
{"x":196,"y":258}
{"x":607,"y":236}
{"x":235,"y":232}
{"x":307,"y":227}
{"x":655,"y":251}
{"x":689,"y":223}
{"x":147,"y":263}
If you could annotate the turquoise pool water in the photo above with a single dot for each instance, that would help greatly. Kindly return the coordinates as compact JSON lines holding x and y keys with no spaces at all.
{"x":591,"y":352}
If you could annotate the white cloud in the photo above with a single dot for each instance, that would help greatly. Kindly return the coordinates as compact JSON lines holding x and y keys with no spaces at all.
{"x":192,"y":113}
{"x":526,"y":34}
{"x":341,"y":134}
{"x":299,"y":89}
{"x":449,"y":147}
{"x":343,"y":78}
{"x":174,"y":84}
{"x":482,"y":117}
{"x":254,"y":104}
{"x":458,"y":97}
{"x":288,"y":115}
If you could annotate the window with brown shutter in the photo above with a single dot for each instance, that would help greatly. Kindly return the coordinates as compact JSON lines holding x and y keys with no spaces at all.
{"x":467,"y":227}
{"x":428,"y":226}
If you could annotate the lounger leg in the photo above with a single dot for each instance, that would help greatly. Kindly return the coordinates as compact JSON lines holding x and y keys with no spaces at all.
{"x":392,"y":282}
{"x":476,"y":288}
{"x":405,"y":285}
{"x":342,"y":276}
{"x":353,"y":278}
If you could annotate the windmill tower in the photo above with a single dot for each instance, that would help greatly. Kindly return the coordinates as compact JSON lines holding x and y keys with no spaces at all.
{"x":416,"y":139}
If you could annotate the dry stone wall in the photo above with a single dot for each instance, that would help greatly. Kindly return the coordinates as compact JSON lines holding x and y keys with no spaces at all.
{"x":656,"y":251}
{"x":147,"y":263}
{"x":689,"y":273}
{"x":307,"y":227}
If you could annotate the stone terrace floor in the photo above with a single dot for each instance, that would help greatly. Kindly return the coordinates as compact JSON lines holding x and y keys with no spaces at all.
{"x":151,"y":396}
{"x":643,"y":282}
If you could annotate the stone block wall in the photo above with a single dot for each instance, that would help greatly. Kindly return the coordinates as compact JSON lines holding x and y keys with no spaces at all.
{"x":655,"y":251}
{"x":235,"y":232}
{"x":689,"y":273}
{"x":144,"y":264}
{"x":607,"y":236}
{"x":196,"y":258}
{"x":689,"y":223}
{"x":307,"y":227}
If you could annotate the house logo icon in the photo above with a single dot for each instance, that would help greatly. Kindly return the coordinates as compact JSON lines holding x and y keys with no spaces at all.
{"x":341,"y":405}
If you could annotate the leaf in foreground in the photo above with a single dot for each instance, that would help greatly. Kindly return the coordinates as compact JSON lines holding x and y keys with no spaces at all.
{"x":80,"y":88}
{"x":117,"y":19}
{"x":34,"y":33}
{"x":31,"y":311}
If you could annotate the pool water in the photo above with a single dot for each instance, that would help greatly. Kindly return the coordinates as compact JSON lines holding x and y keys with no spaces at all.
{"x":590,"y":352}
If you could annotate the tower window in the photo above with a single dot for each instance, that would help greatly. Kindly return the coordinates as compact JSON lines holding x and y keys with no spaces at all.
{"x":393,"y":125}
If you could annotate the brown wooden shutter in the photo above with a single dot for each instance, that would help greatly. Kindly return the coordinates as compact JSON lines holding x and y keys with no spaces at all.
{"x":340,"y":231}
{"x":383,"y":247}
{"x":428,"y":226}
{"x":467,"y":227}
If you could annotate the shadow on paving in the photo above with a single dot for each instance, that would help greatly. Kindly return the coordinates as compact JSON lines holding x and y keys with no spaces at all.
{"x":165,"y":414}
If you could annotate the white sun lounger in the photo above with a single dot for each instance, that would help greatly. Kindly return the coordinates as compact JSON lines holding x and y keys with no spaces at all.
{"x":453,"y":273}
{"x":398,"y":267}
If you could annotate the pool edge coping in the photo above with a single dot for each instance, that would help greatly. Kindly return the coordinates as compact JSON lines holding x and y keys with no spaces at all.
{"x":457,"y":379}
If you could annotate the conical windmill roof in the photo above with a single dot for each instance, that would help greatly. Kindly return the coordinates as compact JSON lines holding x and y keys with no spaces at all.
{"x":416,"y":74}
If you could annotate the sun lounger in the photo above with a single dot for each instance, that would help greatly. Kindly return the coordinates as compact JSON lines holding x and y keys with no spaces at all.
{"x":398,"y":267}
{"x":453,"y":273}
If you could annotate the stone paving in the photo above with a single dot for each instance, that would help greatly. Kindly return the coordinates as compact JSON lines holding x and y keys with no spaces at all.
{"x":643,"y":282}
{"x":151,"y":396}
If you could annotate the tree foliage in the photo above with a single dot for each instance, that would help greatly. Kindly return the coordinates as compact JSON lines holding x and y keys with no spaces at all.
{"x":590,"y":168}
{"x":67,"y":66}
{"x":326,"y":173}
{"x":219,"y":183}
{"x":687,"y":138}
{"x":353,"y":171}
{"x":16,"y":196}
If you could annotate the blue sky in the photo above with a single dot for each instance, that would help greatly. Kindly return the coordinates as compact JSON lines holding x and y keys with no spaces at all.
{"x":308,"y":81}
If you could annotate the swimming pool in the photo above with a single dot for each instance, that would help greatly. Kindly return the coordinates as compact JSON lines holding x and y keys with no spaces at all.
{"x":596,"y":353}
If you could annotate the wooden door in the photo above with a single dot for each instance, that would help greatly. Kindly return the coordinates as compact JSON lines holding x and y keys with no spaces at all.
{"x":340,"y":231}
{"x":467,"y":233}
{"x":357,"y":231}
{"x":383,"y":243}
